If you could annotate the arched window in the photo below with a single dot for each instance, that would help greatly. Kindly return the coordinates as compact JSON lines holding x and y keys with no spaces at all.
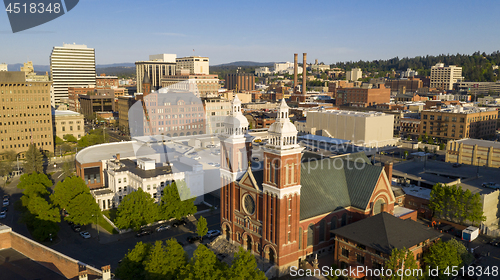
{"x":322,"y":231}
{"x":378,"y":206}
{"x":310,"y":235}
{"x":333,"y":225}
{"x":300,"y":238}
{"x":344,"y":220}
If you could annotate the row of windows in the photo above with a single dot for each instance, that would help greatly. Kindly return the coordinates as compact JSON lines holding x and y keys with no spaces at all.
{"x":22,"y":91}
{"x":24,"y":145}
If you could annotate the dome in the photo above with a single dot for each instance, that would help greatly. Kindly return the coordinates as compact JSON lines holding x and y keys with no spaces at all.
{"x":285,"y":127}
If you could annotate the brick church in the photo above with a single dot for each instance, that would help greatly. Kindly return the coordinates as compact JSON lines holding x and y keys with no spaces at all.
{"x":284,"y":210}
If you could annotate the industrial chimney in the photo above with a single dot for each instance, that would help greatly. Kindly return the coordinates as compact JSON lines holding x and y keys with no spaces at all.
{"x":295,"y":67}
{"x":304,"y":73}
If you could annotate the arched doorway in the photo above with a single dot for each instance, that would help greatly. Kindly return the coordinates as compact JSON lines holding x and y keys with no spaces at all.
{"x":379,"y":205}
{"x":228,"y":233}
{"x":248,"y":243}
{"x":271,"y":256}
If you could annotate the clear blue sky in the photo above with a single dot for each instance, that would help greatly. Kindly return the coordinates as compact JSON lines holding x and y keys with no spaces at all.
{"x":262,"y":31}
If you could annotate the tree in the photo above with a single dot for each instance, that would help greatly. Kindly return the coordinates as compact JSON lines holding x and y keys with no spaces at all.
{"x":132,"y":267}
{"x":156,"y":263}
{"x":442,"y":255}
{"x":58,"y":140}
{"x":5,"y":168}
{"x":201,"y":227}
{"x":171,"y":205}
{"x":136,"y":210}
{"x":244,"y":267}
{"x":466,"y":257}
{"x":74,"y":196}
{"x":9,"y":155}
{"x":70,"y":138}
{"x":34,"y":160}
{"x":203,"y":266}
{"x":401,"y":259}
{"x":67,"y":168}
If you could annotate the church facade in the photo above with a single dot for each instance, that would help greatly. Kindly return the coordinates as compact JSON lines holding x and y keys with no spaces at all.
{"x":285,"y":210}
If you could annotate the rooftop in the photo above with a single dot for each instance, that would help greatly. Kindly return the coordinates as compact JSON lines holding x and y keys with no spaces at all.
{"x":60,"y":113}
{"x":480,"y":143}
{"x":15,"y":265}
{"x":387,"y":232}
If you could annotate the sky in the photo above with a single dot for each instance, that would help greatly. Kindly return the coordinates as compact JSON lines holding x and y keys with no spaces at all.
{"x":125,"y":31}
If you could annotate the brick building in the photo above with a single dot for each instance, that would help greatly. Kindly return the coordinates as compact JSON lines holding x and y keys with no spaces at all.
{"x":104,"y":81}
{"x":240,"y":81}
{"x":357,"y":246}
{"x":408,"y":85}
{"x":285,"y":211}
{"x":362,"y":97}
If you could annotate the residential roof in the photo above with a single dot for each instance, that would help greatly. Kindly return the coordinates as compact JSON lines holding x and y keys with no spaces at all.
{"x":387,"y":232}
{"x":131,"y":166}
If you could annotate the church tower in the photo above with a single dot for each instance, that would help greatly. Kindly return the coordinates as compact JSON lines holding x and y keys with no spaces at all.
{"x":281,"y":190}
{"x":146,"y":85}
{"x":234,"y":164}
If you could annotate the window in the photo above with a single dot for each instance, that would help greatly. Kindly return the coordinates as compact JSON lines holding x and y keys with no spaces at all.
{"x":119,"y":181}
{"x":149,"y":187}
{"x":289,"y":220}
{"x":322,"y":231}
{"x":360,"y":258}
{"x":310,"y":235}
{"x":124,"y":180}
{"x":345,"y":252}
{"x":125,"y":189}
{"x":300,"y":238}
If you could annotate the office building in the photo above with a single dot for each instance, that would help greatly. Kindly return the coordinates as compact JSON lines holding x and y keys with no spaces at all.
{"x":404,"y":85}
{"x":102,"y":101}
{"x":158,"y":66}
{"x":362,"y":96}
{"x":196,"y":65}
{"x":26,"y":113}
{"x":124,"y":104}
{"x":71,"y":66}
{"x":444,"y":77}
{"x":370,"y":129}
{"x":68,"y":122}
{"x":216,"y":110}
{"x":199,"y":84}
{"x":354,"y":74}
{"x":240,"y":81}
{"x":456,"y":122}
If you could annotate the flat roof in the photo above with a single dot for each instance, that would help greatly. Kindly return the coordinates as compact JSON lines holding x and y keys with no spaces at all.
{"x":66,"y":113}
{"x":15,"y":265}
{"x":401,"y":211}
{"x":324,"y":139}
{"x":480,"y":143}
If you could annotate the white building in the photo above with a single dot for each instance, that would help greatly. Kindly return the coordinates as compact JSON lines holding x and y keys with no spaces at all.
{"x":368,"y":129}
{"x":164,"y":57}
{"x":195,"y":64}
{"x":3,"y":67}
{"x":445,"y":77}
{"x":262,"y":71}
{"x":354,"y":75}
{"x":158,"y":66}
{"x":409,"y":73}
{"x":216,"y":109}
{"x":71,"y":66}
{"x":280,"y":67}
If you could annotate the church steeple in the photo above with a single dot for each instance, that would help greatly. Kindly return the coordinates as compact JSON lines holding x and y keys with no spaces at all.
{"x":146,"y":84}
{"x":236,"y":125}
{"x":282,"y":133}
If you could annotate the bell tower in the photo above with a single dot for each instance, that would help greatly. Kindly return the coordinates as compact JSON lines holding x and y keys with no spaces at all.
{"x":234,"y":164}
{"x":281,"y":187}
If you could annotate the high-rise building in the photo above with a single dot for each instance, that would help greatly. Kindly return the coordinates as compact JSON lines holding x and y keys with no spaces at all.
{"x":26,"y":113}
{"x":158,"y":66}
{"x":240,"y":81}
{"x":444,"y":77}
{"x":195,"y":64}
{"x":71,"y":66}
{"x":198,"y":84}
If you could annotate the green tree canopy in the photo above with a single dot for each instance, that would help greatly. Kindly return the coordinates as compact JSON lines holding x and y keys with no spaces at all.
{"x":34,"y":160}
{"x":442,"y":255}
{"x":244,"y":267}
{"x":201,"y":227}
{"x":70,"y":138}
{"x":136,"y":210}
{"x":58,"y":140}
{"x":401,"y":259}
{"x":10,"y":155}
{"x":171,"y":205}
{"x":204,"y":266}
{"x":132,"y":267}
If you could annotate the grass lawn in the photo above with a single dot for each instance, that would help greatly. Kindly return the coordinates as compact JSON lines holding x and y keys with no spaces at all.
{"x":107,"y":226}
{"x":111,"y":214}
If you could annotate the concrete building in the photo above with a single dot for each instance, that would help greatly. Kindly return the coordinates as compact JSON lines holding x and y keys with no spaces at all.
{"x":240,"y":81}
{"x":201,"y":85}
{"x":404,"y":85}
{"x":262,"y":71}
{"x":124,"y":104}
{"x":369,"y":129}
{"x":68,"y":122}
{"x":4,"y":67}
{"x":319,"y":67}
{"x":362,"y":96}
{"x":196,"y":65}
{"x":475,"y":88}
{"x":31,"y":75}
{"x":474,"y":152}
{"x":26,"y":113}
{"x":216,"y":111}
{"x":71,"y":66}
{"x":444,"y":77}
{"x":156,"y":68}
{"x":354,"y":74}
{"x":456,"y":122}
{"x":409,"y":73}
{"x":489,"y":100}
{"x":74,"y":97}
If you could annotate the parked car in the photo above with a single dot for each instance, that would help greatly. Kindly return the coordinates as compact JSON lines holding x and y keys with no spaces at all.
{"x":210,"y":146}
{"x":490,"y":185}
{"x":193,"y":238}
{"x":76,"y":228}
{"x":85,"y":234}
{"x":6,"y":201}
{"x":162,"y":228}
{"x":143,"y":232}
{"x":213,"y":233}
{"x":3,"y":215}
{"x":178,"y":223}
{"x":456,"y":165}
{"x":493,"y":242}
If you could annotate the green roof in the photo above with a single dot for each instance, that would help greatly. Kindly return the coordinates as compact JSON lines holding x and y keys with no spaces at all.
{"x":334,"y":183}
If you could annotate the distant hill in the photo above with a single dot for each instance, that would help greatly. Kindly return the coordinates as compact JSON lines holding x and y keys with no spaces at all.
{"x":115,"y":69}
{"x":245,"y":63}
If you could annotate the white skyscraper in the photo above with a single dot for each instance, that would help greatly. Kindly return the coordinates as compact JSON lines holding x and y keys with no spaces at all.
{"x":71,"y":66}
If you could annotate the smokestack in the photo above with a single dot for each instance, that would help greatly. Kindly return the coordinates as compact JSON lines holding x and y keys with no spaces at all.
{"x":388,"y":171}
{"x":295,"y":67}
{"x":304,"y":73}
